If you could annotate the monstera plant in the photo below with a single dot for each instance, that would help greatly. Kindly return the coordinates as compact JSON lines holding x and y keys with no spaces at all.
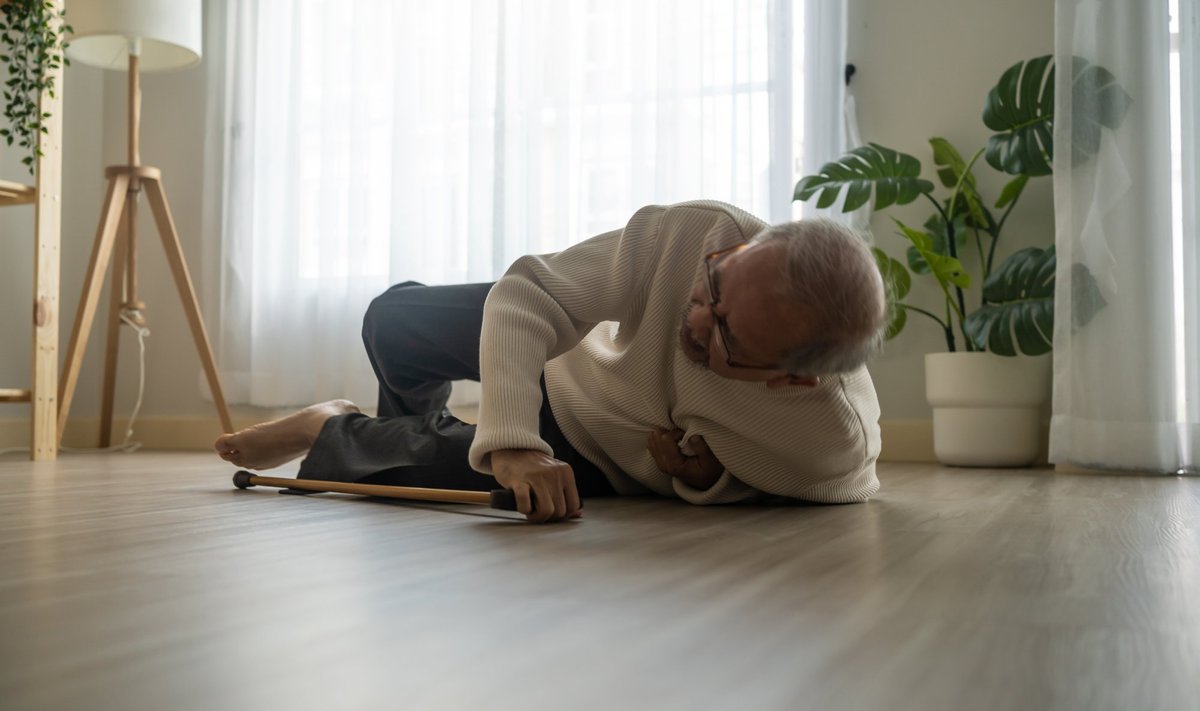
{"x":1015,"y":312}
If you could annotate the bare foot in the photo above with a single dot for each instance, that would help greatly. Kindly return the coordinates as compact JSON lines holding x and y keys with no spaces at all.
{"x":272,"y":444}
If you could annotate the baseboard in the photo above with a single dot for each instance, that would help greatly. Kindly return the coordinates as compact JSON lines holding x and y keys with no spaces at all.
{"x":912,"y":441}
{"x":903,"y":440}
{"x":171,"y":432}
{"x":165,"y":432}
{"x":906,"y":441}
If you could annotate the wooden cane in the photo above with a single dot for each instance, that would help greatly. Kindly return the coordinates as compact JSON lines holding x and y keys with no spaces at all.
{"x":502,"y":499}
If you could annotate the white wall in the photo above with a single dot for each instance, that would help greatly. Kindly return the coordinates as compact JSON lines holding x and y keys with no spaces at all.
{"x":924,"y":68}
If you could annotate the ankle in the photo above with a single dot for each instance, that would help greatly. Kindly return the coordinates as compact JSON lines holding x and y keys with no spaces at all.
{"x":342,"y":407}
{"x":313,"y":426}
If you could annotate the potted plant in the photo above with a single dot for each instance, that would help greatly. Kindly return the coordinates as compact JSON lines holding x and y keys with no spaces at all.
{"x":986,"y":400}
{"x":31,"y":32}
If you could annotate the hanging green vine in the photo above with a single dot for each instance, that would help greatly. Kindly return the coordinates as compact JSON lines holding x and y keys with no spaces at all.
{"x":32,"y":33}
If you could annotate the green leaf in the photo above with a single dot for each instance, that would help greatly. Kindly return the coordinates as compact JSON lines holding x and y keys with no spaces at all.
{"x":858,"y":193}
{"x":949,"y":160}
{"x":896,"y":282}
{"x":954,"y":169}
{"x":34,"y":50}
{"x":1086,"y":299}
{"x":899,"y":317}
{"x":1021,"y":109}
{"x":894,"y":177}
{"x":1097,"y":102}
{"x":947,"y":270}
{"x":1012,"y":190}
{"x":1019,"y":106}
{"x":919,"y":239}
{"x":1019,"y":315}
{"x":895,"y":277}
{"x":935,"y":227}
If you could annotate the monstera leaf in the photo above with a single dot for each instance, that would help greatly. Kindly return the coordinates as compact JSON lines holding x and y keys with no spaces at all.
{"x":1019,"y":313}
{"x":1021,"y":109}
{"x":1097,"y":102}
{"x":1021,"y":106}
{"x":935,"y":227}
{"x":1086,"y":299}
{"x":947,"y":270}
{"x":952,"y":170}
{"x":894,"y":177}
{"x":1012,"y":190}
{"x":897,"y":282}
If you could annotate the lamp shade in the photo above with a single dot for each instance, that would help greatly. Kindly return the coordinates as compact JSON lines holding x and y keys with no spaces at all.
{"x":167,"y":33}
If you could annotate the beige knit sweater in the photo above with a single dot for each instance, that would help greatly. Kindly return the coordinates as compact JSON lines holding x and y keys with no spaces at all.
{"x":602,"y":319}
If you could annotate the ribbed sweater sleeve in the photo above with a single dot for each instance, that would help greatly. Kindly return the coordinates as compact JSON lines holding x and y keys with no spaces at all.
{"x":541,"y":308}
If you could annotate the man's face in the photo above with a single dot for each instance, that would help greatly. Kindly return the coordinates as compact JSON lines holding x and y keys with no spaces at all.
{"x":757,"y":330}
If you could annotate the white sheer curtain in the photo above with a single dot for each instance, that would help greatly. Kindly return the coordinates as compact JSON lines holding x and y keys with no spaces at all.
{"x":368,"y":142}
{"x":1127,"y":385}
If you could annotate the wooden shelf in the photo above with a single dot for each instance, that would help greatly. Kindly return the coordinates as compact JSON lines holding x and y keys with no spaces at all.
{"x":16,"y":193}
{"x":46,"y":197}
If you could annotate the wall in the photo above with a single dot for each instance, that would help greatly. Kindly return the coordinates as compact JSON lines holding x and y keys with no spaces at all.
{"x":924,"y":67}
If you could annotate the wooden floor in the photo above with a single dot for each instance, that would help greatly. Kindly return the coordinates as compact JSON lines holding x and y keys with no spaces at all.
{"x":145,"y":581}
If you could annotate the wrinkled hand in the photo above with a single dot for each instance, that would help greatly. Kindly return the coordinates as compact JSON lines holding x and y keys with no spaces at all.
{"x":550,"y":482}
{"x":700,"y":471}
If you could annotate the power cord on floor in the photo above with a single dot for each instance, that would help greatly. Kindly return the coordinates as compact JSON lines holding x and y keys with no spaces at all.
{"x":132,"y":318}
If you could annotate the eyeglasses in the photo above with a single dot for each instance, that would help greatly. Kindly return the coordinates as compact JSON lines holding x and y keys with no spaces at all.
{"x":714,"y":298}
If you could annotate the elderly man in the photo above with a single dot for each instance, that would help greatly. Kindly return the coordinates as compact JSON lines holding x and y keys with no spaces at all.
{"x":696,"y":353}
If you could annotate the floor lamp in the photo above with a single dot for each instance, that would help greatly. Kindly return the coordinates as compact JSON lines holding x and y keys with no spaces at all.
{"x":133,"y":35}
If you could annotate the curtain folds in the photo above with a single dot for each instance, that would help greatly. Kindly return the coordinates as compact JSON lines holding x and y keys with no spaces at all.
{"x":1126,"y":384}
{"x":367,"y":142}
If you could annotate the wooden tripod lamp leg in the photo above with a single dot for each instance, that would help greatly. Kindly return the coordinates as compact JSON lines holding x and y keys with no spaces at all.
{"x":115,"y":299}
{"x":187,"y":293}
{"x":101,"y":252}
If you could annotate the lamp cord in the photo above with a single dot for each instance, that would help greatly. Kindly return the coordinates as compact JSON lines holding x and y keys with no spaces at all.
{"x":127,"y":316}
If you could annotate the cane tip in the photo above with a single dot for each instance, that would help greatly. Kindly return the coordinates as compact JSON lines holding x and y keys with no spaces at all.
{"x":242,"y":479}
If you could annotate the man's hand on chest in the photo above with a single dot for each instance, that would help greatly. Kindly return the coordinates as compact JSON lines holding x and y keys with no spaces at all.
{"x":699,"y":471}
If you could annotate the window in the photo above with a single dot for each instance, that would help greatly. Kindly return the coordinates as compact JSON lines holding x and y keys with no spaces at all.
{"x":377,"y":141}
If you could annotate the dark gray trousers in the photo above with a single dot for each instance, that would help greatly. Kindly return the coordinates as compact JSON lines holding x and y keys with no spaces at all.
{"x":418,"y":339}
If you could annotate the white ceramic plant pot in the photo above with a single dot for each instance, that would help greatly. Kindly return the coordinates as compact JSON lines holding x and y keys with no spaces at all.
{"x":986,"y":408}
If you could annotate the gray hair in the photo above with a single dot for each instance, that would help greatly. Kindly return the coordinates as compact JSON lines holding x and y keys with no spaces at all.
{"x":829,"y":273}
